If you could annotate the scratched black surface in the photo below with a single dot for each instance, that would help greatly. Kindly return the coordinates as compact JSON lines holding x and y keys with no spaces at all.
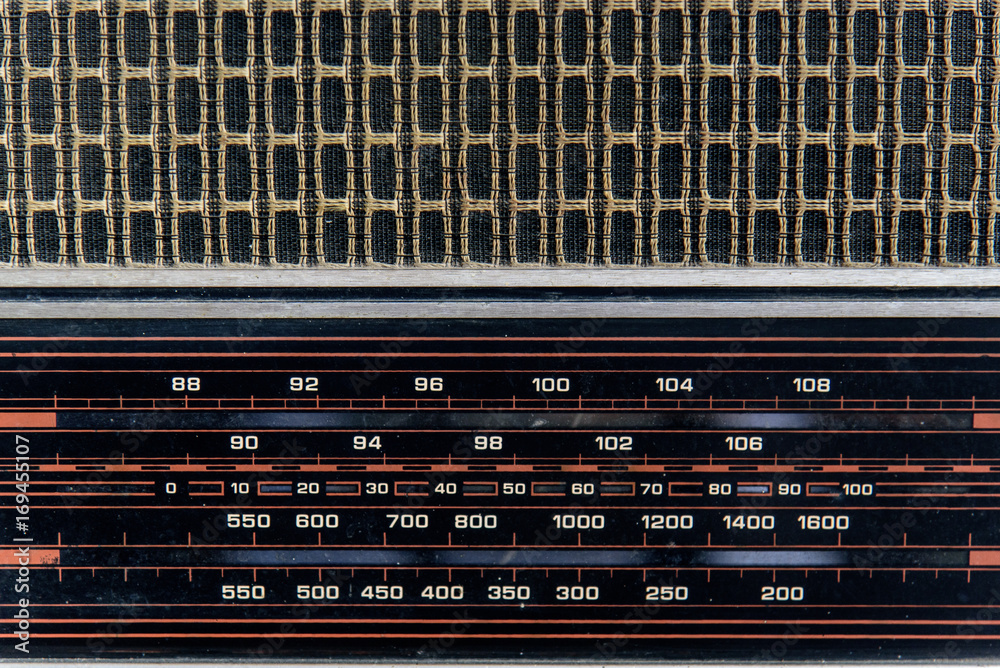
{"x":918,"y":592}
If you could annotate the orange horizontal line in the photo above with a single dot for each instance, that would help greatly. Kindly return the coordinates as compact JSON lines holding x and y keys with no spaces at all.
{"x":27,"y":419}
{"x":34,"y":557}
{"x":477,"y":355}
{"x":381,"y":620}
{"x":586,"y":636}
{"x":495,"y":338}
{"x":102,"y":482}
{"x":890,"y":606}
{"x":84,"y":493}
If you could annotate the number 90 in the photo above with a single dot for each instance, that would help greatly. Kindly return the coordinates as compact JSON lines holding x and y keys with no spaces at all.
{"x":243,"y":442}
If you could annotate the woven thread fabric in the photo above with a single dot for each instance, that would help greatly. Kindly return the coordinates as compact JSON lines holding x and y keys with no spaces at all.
{"x":510,"y":132}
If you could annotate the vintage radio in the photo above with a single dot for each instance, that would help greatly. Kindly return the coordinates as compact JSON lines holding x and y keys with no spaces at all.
{"x":499,"y":331}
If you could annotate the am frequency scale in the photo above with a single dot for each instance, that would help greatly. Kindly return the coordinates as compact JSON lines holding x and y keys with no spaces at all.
{"x":592,"y":488}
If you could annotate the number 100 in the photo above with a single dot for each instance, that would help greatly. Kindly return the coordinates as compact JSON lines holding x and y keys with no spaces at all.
{"x":551,"y":384}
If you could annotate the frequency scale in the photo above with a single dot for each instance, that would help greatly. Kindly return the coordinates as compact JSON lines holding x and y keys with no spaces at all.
{"x":553,"y":480}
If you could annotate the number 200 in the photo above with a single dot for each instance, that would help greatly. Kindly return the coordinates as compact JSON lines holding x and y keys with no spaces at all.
{"x":782,"y":593}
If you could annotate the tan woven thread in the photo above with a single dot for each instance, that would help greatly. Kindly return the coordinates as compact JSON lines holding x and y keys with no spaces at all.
{"x":632,"y":224}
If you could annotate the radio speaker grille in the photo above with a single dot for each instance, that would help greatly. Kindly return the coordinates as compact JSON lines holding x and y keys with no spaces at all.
{"x":499,"y":132}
